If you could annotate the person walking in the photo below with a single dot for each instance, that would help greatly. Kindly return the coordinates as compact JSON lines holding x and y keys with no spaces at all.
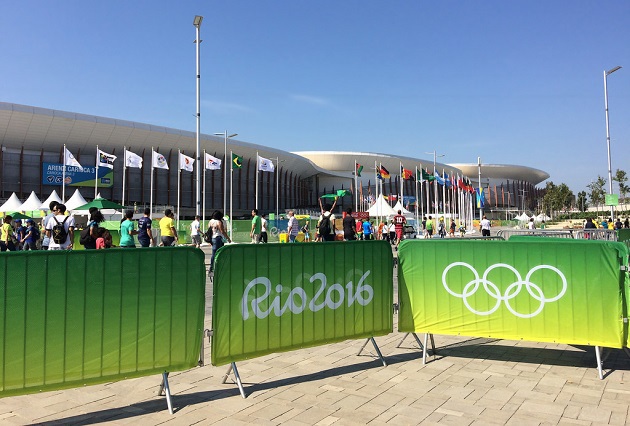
{"x":367,"y":230}
{"x":59,"y":226}
{"x":254,"y":234}
{"x":349,"y":226}
{"x":219,"y":234}
{"x":6,"y":234}
{"x":399,"y":226}
{"x":429,"y":227}
{"x":293,"y":228}
{"x":145,"y":235}
{"x":326,"y":224}
{"x":32,"y":235}
{"x":485,"y":227}
{"x":167,"y":229}
{"x":20,"y":233}
{"x":53,"y":207}
{"x":195,"y":235}
{"x":127,"y":231}
{"x":264,"y":239}
{"x":96,"y":217}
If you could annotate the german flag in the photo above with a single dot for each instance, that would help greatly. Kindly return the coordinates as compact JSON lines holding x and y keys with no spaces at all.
{"x":384,"y":172}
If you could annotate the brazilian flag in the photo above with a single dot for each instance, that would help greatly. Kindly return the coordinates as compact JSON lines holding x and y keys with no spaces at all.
{"x":237,"y":161}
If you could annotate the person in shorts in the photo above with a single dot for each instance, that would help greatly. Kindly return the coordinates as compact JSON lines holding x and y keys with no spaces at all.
{"x":145,"y":236}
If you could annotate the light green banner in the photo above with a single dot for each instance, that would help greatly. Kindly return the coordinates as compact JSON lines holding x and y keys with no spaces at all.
{"x":279,"y":297}
{"x":70,"y":318}
{"x":534,"y":289}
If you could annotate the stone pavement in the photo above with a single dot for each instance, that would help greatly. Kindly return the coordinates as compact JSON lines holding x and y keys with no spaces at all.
{"x":469,"y":381}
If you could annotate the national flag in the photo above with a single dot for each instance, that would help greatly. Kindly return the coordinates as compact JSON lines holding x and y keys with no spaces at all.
{"x":212,"y":163}
{"x":104,"y":159}
{"x":481,"y":202}
{"x":426,"y":176}
{"x":237,"y":161}
{"x":447,"y":179}
{"x":133,"y":160}
{"x":69,"y":159}
{"x":186,"y":162}
{"x":159,"y":161}
{"x":343,"y":192}
{"x":358,"y":169}
{"x":437,"y":177}
{"x":406,"y":173}
{"x":384,"y":173}
{"x":265,"y":165}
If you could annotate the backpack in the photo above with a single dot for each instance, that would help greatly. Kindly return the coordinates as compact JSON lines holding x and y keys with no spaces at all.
{"x":207,"y":236}
{"x":85,"y":237}
{"x":59,"y":233}
{"x":35,"y":234}
{"x":324,"y":225}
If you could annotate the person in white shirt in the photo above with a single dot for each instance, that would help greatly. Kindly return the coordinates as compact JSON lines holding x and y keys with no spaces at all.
{"x":294,"y":227}
{"x":194,"y":231}
{"x":485,"y":227}
{"x":264,"y":238}
{"x":68,"y":224}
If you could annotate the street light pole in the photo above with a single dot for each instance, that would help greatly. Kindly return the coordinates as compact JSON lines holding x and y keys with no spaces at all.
{"x":610,"y":186}
{"x":225,"y":166}
{"x":197,"y":24}
{"x":480,"y":203}
{"x":435,"y":155}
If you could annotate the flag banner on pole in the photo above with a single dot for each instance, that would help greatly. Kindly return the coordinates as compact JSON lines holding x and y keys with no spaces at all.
{"x":406,"y":173}
{"x":186,"y":162}
{"x":104,"y":159}
{"x":212,"y":163}
{"x":426,"y":176}
{"x":481,"y":202}
{"x":237,"y":161}
{"x":438,"y":178}
{"x":70,"y":160}
{"x":133,"y":160}
{"x":384,"y":172}
{"x":265,"y":164}
{"x":159,"y":161}
{"x":359,"y":169}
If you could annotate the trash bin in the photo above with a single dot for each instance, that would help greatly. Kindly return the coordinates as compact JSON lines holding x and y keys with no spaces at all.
{"x":283,"y":237}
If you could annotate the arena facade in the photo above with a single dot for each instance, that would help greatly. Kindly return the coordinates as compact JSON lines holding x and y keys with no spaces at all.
{"x":32,"y":138}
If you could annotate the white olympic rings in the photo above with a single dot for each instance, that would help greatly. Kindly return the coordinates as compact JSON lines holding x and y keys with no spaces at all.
{"x":510,"y":292}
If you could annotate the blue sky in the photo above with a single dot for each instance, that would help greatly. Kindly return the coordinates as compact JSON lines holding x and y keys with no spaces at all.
{"x":514,"y":82}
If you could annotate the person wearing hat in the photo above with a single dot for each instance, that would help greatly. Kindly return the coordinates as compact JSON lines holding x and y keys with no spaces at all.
{"x":32,"y":235}
{"x":20,"y":233}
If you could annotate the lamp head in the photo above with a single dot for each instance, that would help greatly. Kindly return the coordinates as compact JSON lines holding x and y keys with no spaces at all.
{"x":613,"y":70}
{"x":197,"y":21}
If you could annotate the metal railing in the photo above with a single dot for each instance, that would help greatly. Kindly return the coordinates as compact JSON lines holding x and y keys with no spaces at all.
{"x":578,"y":234}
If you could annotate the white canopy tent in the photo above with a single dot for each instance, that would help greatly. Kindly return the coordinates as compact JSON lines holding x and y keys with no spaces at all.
{"x":523,"y":217}
{"x":13,"y":204}
{"x":542,"y":217}
{"x":52,"y":197}
{"x":75,"y":201}
{"x":403,"y":210}
{"x":32,"y":203}
{"x":381,"y":208}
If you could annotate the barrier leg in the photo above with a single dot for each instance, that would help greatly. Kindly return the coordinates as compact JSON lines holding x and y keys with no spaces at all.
{"x":231,"y":368}
{"x":378,"y":351}
{"x":227,"y":374}
{"x":167,"y":389}
{"x":424,"y":352}
{"x":627,"y":351}
{"x":598,"y":355}
{"x":363,"y":347}
{"x":432,"y":344}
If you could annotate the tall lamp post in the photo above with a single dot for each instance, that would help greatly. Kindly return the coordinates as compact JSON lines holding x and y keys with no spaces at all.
{"x":225,"y":166}
{"x":610,"y":186}
{"x":480,"y":205}
{"x":197,"y":24}
{"x":278,"y":161}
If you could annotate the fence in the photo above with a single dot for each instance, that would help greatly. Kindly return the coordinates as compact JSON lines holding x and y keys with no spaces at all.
{"x":588,"y":234}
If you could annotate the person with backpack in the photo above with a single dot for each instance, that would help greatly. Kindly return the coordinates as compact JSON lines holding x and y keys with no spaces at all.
{"x":20,"y":233}
{"x":88,"y":236}
{"x":217,"y":231}
{"x":60,"y":229}
{"x":52,"y":207}
{"x":6,"y":234}
{"x":32,"y":235}
{"x":326,"y":224}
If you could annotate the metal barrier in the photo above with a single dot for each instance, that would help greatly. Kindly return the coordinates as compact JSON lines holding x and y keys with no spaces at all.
{"x":565,"y":233}
{"x":596,"y":234}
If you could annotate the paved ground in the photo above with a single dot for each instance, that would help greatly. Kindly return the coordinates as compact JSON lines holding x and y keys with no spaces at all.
{"x":470,"y":381}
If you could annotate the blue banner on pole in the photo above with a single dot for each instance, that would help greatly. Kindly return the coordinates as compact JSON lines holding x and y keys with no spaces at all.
{"x":52,"y":174}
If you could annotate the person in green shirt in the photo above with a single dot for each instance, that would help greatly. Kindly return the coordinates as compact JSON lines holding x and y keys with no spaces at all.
{"x":127,"y":231}
{"x":256,"y":227}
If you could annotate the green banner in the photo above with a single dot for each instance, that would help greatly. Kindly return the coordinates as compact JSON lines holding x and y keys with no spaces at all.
{"x":70,"y":318}
{"x":535,"y":289}
{"x":279,"y":297}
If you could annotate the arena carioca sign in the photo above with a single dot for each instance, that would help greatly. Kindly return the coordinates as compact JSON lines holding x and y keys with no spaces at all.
{"x":52,"y":174}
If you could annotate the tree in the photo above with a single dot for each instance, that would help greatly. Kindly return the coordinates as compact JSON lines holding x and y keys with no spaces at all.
{"x":621,"y":179}
{"x":557,"y":198}
{"x":597,"y":191}
{"x":582,"y":203}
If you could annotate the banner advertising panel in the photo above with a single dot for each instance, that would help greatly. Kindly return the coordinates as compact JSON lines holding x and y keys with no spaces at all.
{"x":535,"y":289}
{"x":279,"y":297}
{"x":71,"y":318}
{"x":52,"y":174}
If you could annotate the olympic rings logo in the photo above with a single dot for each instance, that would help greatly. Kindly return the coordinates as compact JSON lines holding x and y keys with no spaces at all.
{"x":511,"y":291}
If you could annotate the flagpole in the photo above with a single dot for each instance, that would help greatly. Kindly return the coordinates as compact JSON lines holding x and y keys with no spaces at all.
{"x":231,"y":186}
{"x":356,"y":190}
{"x":401,"y":184}
{"x":203,"y":214}
{"x":122,"y":202}
{"x":257,"y":162}
{"x":96,"y":177}
{"x":63,"y":177}
{"x":417,"y":202}
{"x":179,"y":180}
{"x":151,"y":196}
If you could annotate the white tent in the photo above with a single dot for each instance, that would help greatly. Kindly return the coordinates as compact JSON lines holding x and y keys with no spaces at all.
{"x":52,"y":197}
{"x":523,"y":217}
{"x":403,"y":210}
{"x":542,"y":217}
{"x":13,"y":204}
{"x":32,"y":203}
{"x":381,"y":208}
{"x":75,"y":201}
